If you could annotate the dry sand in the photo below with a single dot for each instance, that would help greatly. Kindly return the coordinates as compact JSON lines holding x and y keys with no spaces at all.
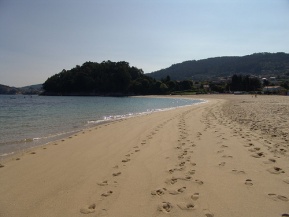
{"x":227,"y":157}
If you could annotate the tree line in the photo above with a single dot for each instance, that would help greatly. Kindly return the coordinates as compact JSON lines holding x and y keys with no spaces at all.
{"x":244,"y":83}
{"x":108,"y":78}
{"x":119,"y":78}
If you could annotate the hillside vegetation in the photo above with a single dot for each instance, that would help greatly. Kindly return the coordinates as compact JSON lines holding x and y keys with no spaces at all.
{"x":120,"y":79}
{"x":106,"y":78}
{"x":109,"y":79}
{"x":273,"y":64}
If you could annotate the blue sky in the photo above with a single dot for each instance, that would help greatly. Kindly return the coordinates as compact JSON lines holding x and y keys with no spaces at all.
{"x":39,"y":38}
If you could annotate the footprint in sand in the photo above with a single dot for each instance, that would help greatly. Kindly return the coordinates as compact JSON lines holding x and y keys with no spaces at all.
{"x":1,"y":165}
{"x":238,"y":171}
{"x":165,"y":207}
{"x":270,"y":161}
{"x":171,"y":181}
{"x":199,"y":182}
{"x":208,"y":213}
{"x":249,"y":182}
{"x":178,"y":191}
{"x":254,"y":149}
{"x":275,"y":170}
{"x":175,"y":169}
{"x":192,"y":172}
{"x":125,"y":160}
{"x":258,"y":155}
{"x":285,"y":215}
{"x":222,"y":164}
{"x":106,"y":194}
{"x":195,"y":196}
{"x":88,"y":209}
{"x":186,"y":206}
{"x":227,"y":156}
{"x":104,"y":183}
{"x":186,"y":178}
{"x":159,"y":192}
{"x":278,"y":197}
{"x":116,"y":174}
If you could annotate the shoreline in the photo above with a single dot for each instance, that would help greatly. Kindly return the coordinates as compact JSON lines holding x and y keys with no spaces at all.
{"x":30,"y":143}
{"x":212,"y":159}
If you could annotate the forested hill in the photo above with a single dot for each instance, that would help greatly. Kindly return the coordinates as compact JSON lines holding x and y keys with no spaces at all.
{"x":8,"y":90}
{"x":105,"y":78}
{"x":28,"y":90}
{"x":257,"y":64}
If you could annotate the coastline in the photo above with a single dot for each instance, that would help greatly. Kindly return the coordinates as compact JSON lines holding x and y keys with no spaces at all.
{"x":66,"y":127}
{"x":211,"y":159}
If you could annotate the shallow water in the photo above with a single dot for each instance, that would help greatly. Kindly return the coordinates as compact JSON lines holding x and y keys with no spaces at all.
{"x":27,"y":121}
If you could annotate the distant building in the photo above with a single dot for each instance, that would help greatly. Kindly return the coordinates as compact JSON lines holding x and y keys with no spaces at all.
{"x":273,"y":89}
{"x":206,"y":86}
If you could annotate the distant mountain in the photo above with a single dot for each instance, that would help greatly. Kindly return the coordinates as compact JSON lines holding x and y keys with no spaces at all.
{"x":263,"y":64}
{"x":8,"y":90}
{"x":32,"y":89}
{"x":36,"y":88}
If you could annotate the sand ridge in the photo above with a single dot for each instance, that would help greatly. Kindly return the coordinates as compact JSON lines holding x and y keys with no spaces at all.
{"x":222,"y":158}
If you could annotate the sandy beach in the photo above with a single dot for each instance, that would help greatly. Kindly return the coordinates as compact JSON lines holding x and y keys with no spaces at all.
{"x":227,"y":157}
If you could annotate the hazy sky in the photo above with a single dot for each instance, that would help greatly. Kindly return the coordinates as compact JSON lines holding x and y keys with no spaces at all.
{"x":39,"y":38}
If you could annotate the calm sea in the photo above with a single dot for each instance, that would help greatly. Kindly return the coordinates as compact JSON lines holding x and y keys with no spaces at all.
{"x":27,"y":121}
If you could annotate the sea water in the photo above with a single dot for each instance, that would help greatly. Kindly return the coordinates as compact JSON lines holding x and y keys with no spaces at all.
{"x":27,"y":121}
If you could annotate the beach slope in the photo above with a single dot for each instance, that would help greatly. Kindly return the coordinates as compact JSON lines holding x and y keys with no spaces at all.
{"x":227,"y":157}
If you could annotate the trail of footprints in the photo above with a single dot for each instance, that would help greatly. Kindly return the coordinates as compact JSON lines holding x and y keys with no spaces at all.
{"x":181,"y":181}
{"x":254,"y":151}
{"x":181,"y":177}
{"x":94,"y":207}
{"x":112,"y":182}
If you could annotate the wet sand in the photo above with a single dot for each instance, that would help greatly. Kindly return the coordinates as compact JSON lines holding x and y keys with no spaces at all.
{"x":228,"y":157}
